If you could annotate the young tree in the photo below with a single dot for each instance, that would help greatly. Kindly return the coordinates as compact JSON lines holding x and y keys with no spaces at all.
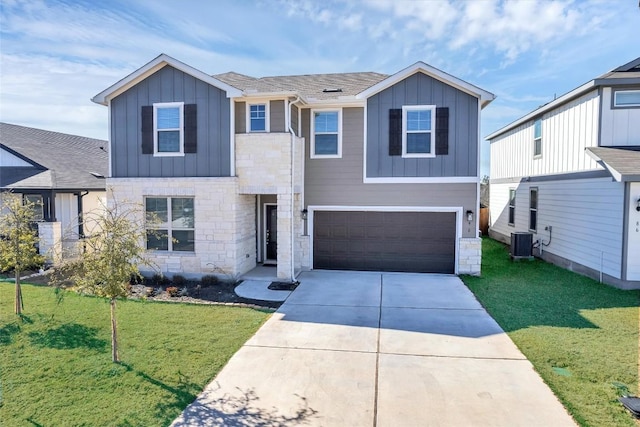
{"x":112,"y":253}
{"x":18,"y":238}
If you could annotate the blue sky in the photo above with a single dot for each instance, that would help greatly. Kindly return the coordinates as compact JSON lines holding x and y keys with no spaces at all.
{"x":55,"y":55}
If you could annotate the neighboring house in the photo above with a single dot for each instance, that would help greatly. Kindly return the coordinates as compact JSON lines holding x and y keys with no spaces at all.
{"x":359,"y":171}
{"x":569,"y":172}
{"x":63,"y":174}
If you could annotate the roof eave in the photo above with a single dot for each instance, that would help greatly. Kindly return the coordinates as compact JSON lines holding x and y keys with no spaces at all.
{"x":153,"y":66}
{"x":484,"y":96}
{"x":547,"y":107}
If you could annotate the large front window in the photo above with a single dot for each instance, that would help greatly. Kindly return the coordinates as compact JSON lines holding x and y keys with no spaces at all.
{"x":170,"y":224}
{"x":168,"y":128}
{"x":326,"y":138}
{"x":418,"y":131}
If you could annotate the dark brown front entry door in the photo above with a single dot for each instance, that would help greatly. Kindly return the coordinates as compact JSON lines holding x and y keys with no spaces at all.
{"x":271,"y":232}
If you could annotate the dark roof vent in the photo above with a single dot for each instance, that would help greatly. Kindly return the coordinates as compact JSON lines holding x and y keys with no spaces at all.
{"x":331,"y":90}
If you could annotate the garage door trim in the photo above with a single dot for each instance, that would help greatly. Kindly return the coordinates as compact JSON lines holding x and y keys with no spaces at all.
{"x":457,"y":210}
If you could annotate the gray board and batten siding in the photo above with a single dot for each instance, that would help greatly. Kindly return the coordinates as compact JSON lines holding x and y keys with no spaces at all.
{"x":420,"y":89}
{"x":338,"y":181}
{"x":212,"y":156}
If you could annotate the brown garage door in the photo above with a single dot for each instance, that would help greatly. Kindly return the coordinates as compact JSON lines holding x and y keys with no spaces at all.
{"x":422,"y":242}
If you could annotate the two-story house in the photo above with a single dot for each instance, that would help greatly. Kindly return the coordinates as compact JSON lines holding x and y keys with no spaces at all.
{"x":569,"y":172}
{"x":350,"y":171}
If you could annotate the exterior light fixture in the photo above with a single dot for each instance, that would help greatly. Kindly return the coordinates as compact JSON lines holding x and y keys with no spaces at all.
{"x":470,"y":216}
{"x":638,"y":205}
{"x":303,"y":214}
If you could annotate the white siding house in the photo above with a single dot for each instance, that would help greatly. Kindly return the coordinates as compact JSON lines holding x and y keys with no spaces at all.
{"x":569,"y":173}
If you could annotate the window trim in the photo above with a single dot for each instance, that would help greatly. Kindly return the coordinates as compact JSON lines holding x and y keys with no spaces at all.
{"x":156,"y":107}
{"x":312,"y":153}
{"x":267,"y":117}
{"x":626,"y":106}
{"x":38,"y":204}
{"x":432,"y":151}
{"x":169,"y":226}
{"x":532,"y":209}
{"x":509,"y":207}
{"x":538,"y":139}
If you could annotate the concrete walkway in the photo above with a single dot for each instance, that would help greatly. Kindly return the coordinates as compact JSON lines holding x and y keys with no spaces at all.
{"x":372,"y":349}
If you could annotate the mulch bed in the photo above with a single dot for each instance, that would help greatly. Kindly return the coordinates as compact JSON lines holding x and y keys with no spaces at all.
{"x":222,"y":293}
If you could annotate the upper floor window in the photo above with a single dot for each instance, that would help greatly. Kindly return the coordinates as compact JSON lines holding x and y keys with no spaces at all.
{"x":170,"y":224}
{"x":418,"y":131}
{"x":326,"y":130}
{"x":512,"y":206}
{"x":168,"y":128}
{"x":626,"y":98}
{"x":537,"y":138}
{"x":258,"y":118}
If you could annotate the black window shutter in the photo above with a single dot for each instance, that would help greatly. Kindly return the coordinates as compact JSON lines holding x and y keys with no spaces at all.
{"x":147,"y":129}
{"x":395,"y":132}
{"x":190,"y":128}
{"x":442,"y":131}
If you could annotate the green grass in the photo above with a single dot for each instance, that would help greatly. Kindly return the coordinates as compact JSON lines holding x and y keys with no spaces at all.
{"x":56,"y":369}
{"x":581,"y":336}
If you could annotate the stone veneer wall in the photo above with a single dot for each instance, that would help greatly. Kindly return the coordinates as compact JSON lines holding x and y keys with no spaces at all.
{"x":224,"y":223}
{"x":50,"y":237}
{"x":470,"y":256}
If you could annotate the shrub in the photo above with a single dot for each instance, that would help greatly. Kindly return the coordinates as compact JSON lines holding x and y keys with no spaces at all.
{"x":160,"y":279}
{"x":208,"y":280}
{"x":184,"y":292}
{"x":173,"y":291}
{"x":179,"y":280}
{"x":150,"y":292}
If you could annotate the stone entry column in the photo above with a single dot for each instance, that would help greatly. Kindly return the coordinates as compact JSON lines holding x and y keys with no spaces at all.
{"x":284,"y":238}
{"x":50,"y":235}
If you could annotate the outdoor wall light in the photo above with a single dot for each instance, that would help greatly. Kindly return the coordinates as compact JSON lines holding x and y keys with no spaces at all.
{"x":638,"y":205}
{"x":470,"y":216}
{"x":303,"y":214}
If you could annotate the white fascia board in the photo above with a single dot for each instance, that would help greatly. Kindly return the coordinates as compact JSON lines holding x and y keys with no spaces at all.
{"x":545,"y":108}
{"x":614,"y":173}
{"x":155,"y":65}
{"x":484,"y":96}
{"x":423,"y":180}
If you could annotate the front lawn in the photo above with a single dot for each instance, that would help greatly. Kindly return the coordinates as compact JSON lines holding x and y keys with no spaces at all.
{"x":581,"y":336}
{"x":56,"y":369}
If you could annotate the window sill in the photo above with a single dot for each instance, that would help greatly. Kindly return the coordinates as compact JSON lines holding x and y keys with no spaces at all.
{"x":418,"y":156}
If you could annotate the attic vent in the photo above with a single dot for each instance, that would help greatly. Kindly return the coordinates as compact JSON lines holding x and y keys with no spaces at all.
{"x":332,"y":90}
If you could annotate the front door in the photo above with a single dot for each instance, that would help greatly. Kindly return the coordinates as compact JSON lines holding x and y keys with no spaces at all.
{"x":271,"y":233}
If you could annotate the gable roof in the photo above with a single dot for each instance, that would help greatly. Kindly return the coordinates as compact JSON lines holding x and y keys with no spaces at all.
{"x":623,"y":163}
{"x":628,"y":73}
{"x":420,"y":67}
{"x":151,"y":67}
{"x":59,"y":161}
{"x":311,"y":87}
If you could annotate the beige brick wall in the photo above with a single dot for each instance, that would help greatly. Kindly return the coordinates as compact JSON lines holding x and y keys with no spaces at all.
{"x":470,"y":256}
{"x":263,"y":163}
{"x":224,"y":223}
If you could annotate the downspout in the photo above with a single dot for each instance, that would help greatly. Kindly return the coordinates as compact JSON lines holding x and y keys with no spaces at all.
{"x":81,"y":213}
{"x":293,"y":152}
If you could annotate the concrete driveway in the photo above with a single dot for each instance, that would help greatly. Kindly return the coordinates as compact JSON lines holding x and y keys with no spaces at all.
{"x":378,"y":349}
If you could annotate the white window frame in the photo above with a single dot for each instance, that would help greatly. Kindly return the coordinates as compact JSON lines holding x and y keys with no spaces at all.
{"x":156,"y":107}
{"x":510,"y":206}
{"x":313,"y":154}
{"x":169,"y":225}
{"x":407,"y":108}
{"x":535,"y":140}
{"x":267,"y":117}
{"x":533,"y":209}
{"x":615,"y":99}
